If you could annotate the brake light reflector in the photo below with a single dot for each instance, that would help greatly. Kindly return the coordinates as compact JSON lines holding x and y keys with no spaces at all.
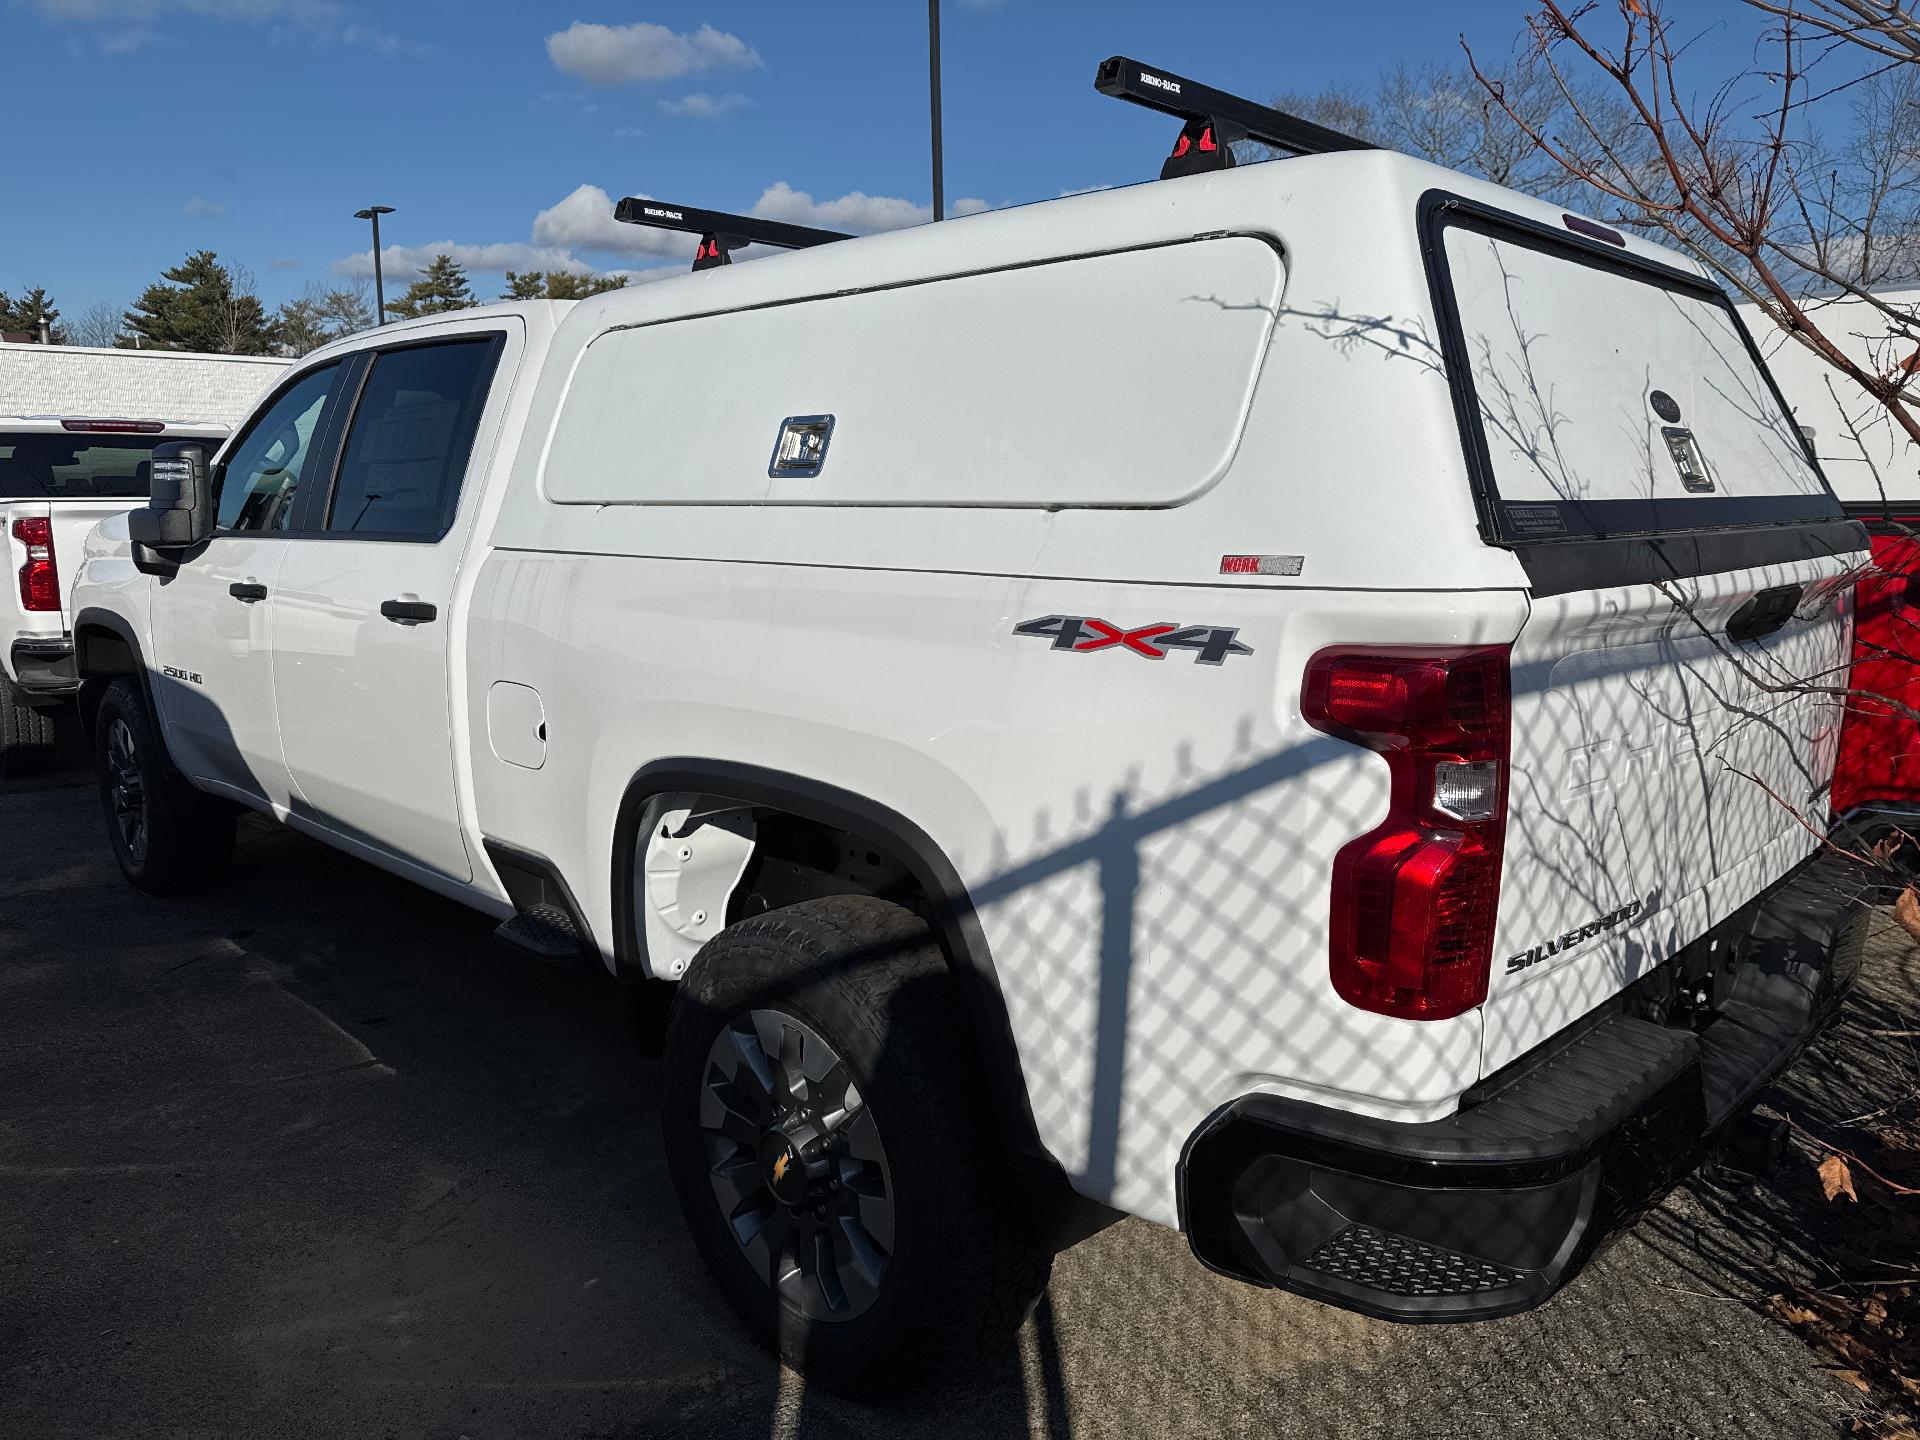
{"x":39,"y":580}
{"x":1415,"y":899}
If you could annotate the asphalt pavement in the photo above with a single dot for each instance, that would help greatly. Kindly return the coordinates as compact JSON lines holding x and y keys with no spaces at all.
{"x":310,"y":1155}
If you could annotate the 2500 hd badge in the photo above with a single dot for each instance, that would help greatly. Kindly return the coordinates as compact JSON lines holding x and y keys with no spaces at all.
{"x":1562,"y":943}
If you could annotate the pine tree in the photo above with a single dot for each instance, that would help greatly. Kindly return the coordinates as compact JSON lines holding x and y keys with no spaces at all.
{"x":200,"y":305}
{"x":442,"y":288}
{"x":26,"y":313}
{"x":317,"y":316}
{"x":561,"y":285}
{"x":558,"y":285}
{"x":300,"y":326}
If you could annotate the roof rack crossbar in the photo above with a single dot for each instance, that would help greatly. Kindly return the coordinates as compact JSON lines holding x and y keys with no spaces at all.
{"x":720,"y":233}
{"x":1214,"y":119}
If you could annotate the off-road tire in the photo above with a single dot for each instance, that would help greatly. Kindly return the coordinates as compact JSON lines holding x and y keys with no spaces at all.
{"x":188,"y":834}
{"x":869,"y":978}
{"x":29,"y":738}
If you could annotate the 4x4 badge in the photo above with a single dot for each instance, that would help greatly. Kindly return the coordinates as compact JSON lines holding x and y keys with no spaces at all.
{"x":1083,"y":634}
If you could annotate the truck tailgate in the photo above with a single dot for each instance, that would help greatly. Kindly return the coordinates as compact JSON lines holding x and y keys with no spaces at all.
{"x":72,"y":520}
{"x":1657,"y":782}
{"x":1671,"y":744}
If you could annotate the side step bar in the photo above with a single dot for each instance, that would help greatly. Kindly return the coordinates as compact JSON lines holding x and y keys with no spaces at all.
{"x":543,"y":933}
{"x":549,"y":925}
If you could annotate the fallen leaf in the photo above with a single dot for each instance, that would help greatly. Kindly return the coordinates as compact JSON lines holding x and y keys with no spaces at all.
{"x":1837,"y":1179}
{"x":1906,"y":911}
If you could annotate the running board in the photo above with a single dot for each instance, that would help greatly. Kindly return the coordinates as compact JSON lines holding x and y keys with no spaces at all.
{"x":543,"y":933}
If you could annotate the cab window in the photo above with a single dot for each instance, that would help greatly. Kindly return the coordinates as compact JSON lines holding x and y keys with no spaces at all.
{"x":262,"y":474}
{"x":410,"y":438}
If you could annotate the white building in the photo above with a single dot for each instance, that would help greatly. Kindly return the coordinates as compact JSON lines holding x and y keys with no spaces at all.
{"x":132,"y":384}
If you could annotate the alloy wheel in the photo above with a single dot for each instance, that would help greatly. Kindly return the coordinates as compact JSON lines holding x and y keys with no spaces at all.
{"x":796,"y":1164}
{"x":126,"y":792}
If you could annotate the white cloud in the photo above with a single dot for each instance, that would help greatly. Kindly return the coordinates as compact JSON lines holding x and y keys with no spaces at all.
{"x":584,"y":221}
{"x":1084,"y":190}
{"x":402,"y":264}
{"x":204,"y":209}
{"x":706,"y":107}
{"x":254,"y":10}
{"x":634,"y":54}
{"x":856,"y":211}
{"x":122,"y":25}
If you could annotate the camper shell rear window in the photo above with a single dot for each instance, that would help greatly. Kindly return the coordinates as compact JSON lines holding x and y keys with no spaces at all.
{"x":1603,"y":395}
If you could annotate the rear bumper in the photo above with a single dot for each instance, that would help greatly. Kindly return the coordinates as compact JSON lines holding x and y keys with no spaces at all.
{"x":1492,"y":1210}
{"x":44,"y":666}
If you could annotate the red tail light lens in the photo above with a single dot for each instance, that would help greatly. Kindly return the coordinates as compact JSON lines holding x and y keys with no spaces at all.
{"x":1414,"y":900}
{"x":39,"y":580}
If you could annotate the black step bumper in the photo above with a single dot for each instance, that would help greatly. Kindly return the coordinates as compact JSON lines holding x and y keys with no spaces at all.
{"x":44,"y":667}
{"x":1492,"y":1210}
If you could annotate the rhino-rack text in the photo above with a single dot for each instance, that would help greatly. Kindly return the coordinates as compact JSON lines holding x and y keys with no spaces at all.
{"x":1572,"y":938}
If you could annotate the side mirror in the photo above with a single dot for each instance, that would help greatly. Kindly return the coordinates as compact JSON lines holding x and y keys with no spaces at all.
{"x":180,"y":513}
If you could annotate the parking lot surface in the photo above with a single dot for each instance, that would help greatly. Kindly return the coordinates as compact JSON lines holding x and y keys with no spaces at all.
{"x":311,"y":1156}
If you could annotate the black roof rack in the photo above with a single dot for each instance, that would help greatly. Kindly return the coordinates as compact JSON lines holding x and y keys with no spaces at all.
{"x":1214,"y":119}
{"x":720,"y":233}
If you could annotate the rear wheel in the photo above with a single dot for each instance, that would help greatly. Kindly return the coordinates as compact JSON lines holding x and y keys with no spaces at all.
{"x":28,"y":737}
{"x":833,"y":1148}
{"x":167,"y":836}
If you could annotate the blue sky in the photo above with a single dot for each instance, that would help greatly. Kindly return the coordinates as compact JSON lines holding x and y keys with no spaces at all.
{"x":142,"y":129}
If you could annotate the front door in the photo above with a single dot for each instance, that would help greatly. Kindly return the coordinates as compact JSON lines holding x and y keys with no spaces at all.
{"x":362,"y":622}
{"x":213,"y":620}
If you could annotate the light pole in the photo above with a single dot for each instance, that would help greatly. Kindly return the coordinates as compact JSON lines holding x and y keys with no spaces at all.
{"x":933,"y":86}
{"x":373,"y":213}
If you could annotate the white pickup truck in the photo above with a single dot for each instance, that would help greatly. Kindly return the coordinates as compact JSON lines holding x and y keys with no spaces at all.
{"x":59,"y":477}
{"x":1266,"y":697}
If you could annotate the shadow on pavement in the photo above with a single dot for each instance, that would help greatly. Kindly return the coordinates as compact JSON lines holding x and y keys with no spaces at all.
{"x":311,"y":1156}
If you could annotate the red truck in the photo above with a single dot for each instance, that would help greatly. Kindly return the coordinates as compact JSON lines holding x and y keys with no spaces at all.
{"x":1875,"y":471}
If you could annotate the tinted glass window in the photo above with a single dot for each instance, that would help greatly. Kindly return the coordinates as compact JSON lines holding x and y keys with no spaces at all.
{"x":263,"y":473}
{"x":65,"y":466}
{"x":411,"y":435}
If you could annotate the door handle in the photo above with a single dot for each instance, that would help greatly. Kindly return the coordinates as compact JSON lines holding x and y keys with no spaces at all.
{"x":247,"y":593}
{"x":408,"y":612}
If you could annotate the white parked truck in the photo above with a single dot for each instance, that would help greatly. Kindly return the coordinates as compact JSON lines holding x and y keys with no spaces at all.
{"x":59,"y":477}
{"x":1254,"y":699}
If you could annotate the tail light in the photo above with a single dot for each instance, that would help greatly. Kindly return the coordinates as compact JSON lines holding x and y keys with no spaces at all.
{"x":39,"y":580}
{"x":1414,"y":900}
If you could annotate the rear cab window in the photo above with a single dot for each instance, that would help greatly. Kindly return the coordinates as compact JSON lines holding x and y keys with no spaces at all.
{"x":76,"y":465}
{"x":1604,"y":396}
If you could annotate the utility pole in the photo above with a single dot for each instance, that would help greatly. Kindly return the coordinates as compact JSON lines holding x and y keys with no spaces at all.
{"x":373,"y":213}
{"x":933,"y":86}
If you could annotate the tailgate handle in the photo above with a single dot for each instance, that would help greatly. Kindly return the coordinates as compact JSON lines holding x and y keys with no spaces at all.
{"x":247,"y":593}
{"x":1764,"y":613}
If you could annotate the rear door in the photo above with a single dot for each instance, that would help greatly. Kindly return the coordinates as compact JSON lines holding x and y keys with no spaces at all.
{"x":363,"y":608}
{"x":1671,"y":747}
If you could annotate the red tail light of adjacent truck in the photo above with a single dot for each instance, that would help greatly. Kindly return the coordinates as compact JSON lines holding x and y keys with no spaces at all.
{"x":39,"y":578}
{"x":1415,"y":899}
